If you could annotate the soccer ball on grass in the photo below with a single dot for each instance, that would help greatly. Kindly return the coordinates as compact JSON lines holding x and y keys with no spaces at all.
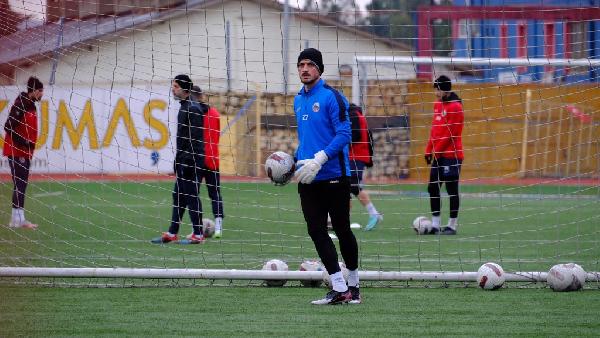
{"x":566,"y":277}
{"x":422,"y":225}
{"x":311,"y":265}
{"x":490,"y":276}
{"x":208,"y":227}
{"x":275,"y":265}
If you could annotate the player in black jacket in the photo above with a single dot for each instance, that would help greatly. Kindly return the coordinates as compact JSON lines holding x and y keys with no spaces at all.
{"x":189,"y":159}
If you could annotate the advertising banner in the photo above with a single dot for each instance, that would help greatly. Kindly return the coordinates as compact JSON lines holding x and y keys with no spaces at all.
{"x":97,"y":130}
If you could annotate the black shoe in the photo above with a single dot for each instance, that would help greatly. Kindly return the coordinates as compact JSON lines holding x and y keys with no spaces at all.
{"x":334,"y":297}
{"x":447,"y":231}
{"x":432,"y":231}
{"x":355,"y":292}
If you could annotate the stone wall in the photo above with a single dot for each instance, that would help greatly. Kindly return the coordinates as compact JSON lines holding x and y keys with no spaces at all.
{"x":385,"y":111}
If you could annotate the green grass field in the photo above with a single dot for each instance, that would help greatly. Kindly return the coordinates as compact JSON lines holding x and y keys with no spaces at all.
{"x":527,"y":228}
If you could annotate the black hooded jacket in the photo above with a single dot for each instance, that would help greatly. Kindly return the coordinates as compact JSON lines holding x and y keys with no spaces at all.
{"x":190,"y":134}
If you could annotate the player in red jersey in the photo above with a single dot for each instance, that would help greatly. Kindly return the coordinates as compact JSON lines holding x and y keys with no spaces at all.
{"x":361,"y":157}
{"x":444,"y":153}
{"x":21,"y":131}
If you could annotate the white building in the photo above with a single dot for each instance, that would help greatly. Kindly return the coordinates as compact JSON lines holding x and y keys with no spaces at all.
{"x":107,"y":105}
{"x":224,"y":45}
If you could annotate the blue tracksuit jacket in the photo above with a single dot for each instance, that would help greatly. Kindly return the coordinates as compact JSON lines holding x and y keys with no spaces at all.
{"x":323,"y":124}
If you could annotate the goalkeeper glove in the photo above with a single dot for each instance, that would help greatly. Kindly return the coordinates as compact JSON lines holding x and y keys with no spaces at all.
{"x":309,"y":168}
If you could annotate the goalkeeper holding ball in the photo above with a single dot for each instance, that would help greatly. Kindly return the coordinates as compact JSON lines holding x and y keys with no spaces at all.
{"x":323,"y":138}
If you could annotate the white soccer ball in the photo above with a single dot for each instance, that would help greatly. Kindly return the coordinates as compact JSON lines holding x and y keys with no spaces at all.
{"x":280,"y":167}
{"x":327,"y":279}
{"x":422,"y":225}
{"x":566,"y":277}
{"x":275,"y":265}
{"x":490,"y":276}
{"x":311,"y":265}
{"x":208,"y":227}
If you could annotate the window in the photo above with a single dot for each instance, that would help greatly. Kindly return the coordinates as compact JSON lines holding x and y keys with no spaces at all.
{"x":576,"y":45}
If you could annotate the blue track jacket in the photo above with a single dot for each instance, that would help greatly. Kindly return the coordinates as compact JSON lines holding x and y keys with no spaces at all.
{"x":323,"y":124}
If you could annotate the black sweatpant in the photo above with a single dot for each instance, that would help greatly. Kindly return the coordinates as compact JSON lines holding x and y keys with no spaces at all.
{"x":444,"y":171}
{"x":19,"y":170}
{"x":185,"y":196}
{"x":213,"y":185}
{"x":330,"y":197}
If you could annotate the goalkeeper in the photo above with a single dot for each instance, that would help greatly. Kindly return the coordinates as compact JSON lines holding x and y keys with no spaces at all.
{"x":324,"y":187}
{"x":444,"y":153}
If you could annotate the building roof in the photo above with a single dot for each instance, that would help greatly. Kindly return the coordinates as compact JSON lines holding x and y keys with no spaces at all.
{"x":26,"y":46}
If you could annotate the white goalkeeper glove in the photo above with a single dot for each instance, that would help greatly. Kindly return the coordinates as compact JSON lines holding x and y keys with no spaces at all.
{"x":309,"y":168}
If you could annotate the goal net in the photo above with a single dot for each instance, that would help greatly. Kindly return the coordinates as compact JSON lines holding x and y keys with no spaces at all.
{"x":101,"y":179}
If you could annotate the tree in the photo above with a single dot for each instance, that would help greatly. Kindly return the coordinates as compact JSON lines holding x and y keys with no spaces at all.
{"x":9,"y":19}
{"x":339,"y":10}
{"x":396,"y":19}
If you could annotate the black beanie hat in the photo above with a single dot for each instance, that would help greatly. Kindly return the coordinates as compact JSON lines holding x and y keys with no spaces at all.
{"x":34,"y":84}
{"x":313,"y":55}
{"x":184,"y":82}
{"x":443,"y":83}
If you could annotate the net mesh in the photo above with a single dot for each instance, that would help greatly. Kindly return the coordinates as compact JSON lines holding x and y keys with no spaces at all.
{"x":101,"y":178}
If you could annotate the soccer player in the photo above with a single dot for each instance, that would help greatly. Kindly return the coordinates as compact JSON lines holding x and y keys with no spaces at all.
{"x":189,"y":162}
{"x":361,"y":156}
{"x":324,"y":187}
{"x":212,"y":132}
{"x":444,"y":153}
{"x":21,"y":131}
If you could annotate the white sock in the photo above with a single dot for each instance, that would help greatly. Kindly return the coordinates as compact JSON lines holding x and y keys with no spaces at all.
{"x":436,"y":221}
{"x":19,"y":215}
{"x":453,"y":223}
{"x":371,"y":209}
{"x":338,"y":283}
{"x":218,"y":223}
{"x":170,"y":234}
{"x":14,"y":215}
{"x":353,"y":277}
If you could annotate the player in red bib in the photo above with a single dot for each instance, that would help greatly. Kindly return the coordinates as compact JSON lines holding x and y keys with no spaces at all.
{"x":21,"y":131}
{"x":211,"y":174}
{"x":444,"y":153}
{"x":361,"y":157}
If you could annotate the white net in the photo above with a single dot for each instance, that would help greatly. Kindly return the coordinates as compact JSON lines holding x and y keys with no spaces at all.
{"x":101,"y":177}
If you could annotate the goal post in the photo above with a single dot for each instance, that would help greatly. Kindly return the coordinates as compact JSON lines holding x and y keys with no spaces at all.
{"x":360,"y":71}
{"x":101,"y":184}
{"x":222,"y":274}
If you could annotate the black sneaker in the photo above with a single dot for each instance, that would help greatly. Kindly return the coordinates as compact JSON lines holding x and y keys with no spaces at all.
{"x":355,"y":292}
{"x":432,"y":231}
{"x":334,"y":297}
{"x":447,"y":231}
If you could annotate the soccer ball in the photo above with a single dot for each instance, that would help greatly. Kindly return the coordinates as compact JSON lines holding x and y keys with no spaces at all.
{"x":566,"y":277}
{"x":327,"y":279}
{"x":208,"y":227}
{"x":490,"y":276}
{"x":422,"y":225}
{"x":275,"y":265}
{"x":311,"y":266}
{"x":280,"y":167}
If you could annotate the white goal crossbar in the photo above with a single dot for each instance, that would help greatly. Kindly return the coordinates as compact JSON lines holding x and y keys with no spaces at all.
{"x":359,"y":71}
{"x":214,"y":274}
